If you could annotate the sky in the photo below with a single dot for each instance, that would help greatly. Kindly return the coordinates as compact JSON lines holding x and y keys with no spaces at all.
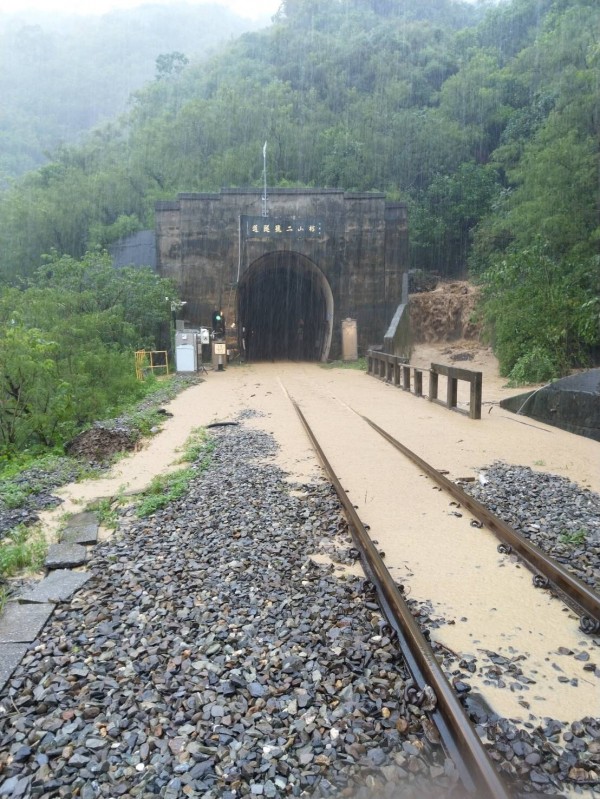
{"x":245,"y":8}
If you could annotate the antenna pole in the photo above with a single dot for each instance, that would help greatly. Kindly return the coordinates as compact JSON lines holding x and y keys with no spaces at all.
{"x":265,"y":212}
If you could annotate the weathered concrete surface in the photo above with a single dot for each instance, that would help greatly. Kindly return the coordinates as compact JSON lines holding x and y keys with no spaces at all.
{"x":212,"y":245}
{"x":139,"y":249}
{"x":81,"y":529}
{"x":23,"y":623}
{"x":10,"y":657}
{"x":65,"y":556}
{"x":58,"y":586}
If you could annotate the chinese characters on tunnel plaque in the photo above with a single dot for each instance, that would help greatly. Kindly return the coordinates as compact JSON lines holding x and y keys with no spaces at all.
{"x":260,"y":227}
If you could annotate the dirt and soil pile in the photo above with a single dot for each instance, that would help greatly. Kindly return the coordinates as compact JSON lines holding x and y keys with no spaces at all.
{"x":447,"y":313}
{"x":99,"y":443}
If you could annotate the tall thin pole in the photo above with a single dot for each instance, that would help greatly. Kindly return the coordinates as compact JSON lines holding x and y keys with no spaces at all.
{"x":265,"y":212}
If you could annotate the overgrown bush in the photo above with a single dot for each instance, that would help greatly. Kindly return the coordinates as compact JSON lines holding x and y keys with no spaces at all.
{"x":66,"y":346}
{"x":536,"y":366}
{"x":539,"y":312}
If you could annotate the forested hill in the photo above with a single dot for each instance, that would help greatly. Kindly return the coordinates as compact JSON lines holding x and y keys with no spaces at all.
{"x":484,"y":119}
{"x":61,"y":75}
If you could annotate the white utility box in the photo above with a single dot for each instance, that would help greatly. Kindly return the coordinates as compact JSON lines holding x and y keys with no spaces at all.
{"x":186,"y":351}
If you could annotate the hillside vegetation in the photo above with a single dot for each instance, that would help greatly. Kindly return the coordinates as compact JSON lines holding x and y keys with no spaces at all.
{"x":484,"y":119}
{"x":61,"y":75}
{"x":67,"y":339}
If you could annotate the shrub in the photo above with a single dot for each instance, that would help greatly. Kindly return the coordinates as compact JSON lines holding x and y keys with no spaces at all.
{"x":536,"y":366}
{"x":66,"y":346}
{"x":539,"y":312}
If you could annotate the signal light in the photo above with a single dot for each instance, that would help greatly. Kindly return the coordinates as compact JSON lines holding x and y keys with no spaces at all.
{"x":218,"y":322}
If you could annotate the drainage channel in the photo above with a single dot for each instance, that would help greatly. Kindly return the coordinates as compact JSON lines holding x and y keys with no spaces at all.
{"x":547,"y":572}
{"x":477,"y":773}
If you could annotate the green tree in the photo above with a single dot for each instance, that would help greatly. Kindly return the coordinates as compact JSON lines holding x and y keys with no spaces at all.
{"x":66,"y":345}
{"x":544,"y":313}
{"x":169,"y":65}
{"x":34,"y":400}
{"x":445,"y":214}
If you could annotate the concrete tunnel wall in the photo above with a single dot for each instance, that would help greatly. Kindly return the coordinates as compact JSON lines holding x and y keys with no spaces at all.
{"x":210,"y":243}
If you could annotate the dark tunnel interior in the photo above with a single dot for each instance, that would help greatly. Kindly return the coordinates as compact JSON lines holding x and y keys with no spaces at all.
{"x":282,"y":311}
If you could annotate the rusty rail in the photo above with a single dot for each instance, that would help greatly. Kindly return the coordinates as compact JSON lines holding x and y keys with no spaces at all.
{"x":476,"y":770}
{"x":547,"y":573}
{"x":396,"y":370}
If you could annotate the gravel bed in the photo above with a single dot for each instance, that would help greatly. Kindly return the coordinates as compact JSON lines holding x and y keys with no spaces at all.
{"x":539,"y":755}
{"x":556,"y":515}
{"x":564,"y":521}
{"x":37,"y":485}
{"x":210,"y":656}
{"x":167,"y":392}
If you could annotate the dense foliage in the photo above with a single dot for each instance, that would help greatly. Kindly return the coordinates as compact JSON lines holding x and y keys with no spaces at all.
{"x":66,"y":346}
{"x":484,"y":118}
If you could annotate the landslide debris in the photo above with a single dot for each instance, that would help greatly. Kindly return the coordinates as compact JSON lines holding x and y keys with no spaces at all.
{"x":448,"y":313}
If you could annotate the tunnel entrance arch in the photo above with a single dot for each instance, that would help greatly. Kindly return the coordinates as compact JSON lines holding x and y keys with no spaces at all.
{"x":285,"y":309}
{"x":352,"y":245}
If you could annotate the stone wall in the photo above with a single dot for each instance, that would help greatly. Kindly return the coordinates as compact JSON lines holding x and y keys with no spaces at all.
{"x":207,"y":244}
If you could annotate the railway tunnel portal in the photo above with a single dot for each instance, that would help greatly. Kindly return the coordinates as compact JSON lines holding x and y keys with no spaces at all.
{"x":285,"y":308}
{"x":285,"y":277}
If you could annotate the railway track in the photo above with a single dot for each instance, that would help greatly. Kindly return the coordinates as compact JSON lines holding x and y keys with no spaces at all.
{"x":478,"y":774}
{"x":232,"y":590}
{"x":547,"y":572}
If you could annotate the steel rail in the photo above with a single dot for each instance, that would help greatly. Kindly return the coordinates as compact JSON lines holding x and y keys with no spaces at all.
{"x":547,"y":572}
{"x":476,"y":771}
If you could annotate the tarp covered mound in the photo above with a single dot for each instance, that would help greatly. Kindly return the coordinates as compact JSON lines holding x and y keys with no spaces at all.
{"x":572,"y":403}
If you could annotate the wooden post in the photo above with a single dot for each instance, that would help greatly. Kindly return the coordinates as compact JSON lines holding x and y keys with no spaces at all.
{"x":475,"y":397}
{"x":397,"y":370}
{"x":406,"y":381}
{"x":418,"y":382}
{"x":452,"y":392}
{"x":433,"y":386}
